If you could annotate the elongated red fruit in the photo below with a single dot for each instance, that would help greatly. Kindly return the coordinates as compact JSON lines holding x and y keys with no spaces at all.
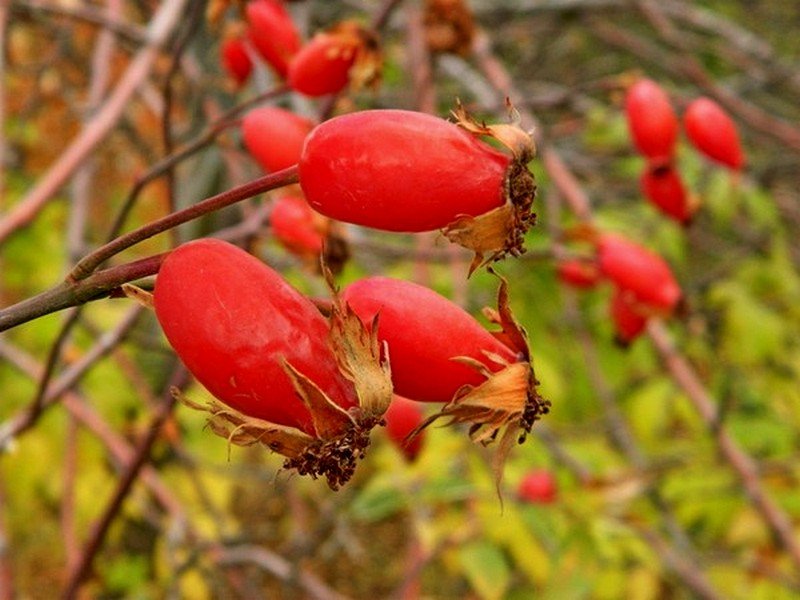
{"x":640,"y":272}
{"x":403,"y":417}
{"x":273,"y":33}
{"x":713,"y":132}
{"x":295,"y":224}
{"x":663,"y":187}
{"x":401,"y":170}
{"x":628,"y":322}
{"x":345,"y":55}
{"x":235,"y":59}
{"x":425,"y":332}
{"x":651,"y":120}
{"x":274,"y":136}
{"x":233,"y":321}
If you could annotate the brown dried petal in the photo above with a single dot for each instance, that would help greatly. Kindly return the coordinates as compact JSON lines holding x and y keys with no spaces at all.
{"x":358,"y":353}
{"x":242,"y":430}
{"x":501,"y":231}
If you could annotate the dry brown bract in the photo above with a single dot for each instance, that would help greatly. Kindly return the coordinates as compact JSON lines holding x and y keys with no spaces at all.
{"x":449,"y":26}
{"x":501,"y":231}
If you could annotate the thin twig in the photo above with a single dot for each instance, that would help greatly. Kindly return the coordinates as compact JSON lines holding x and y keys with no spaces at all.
{"x":129,"y":477}
{"x":263,"y":184}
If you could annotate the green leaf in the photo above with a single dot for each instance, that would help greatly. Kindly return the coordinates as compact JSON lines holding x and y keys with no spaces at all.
{"x":486,"y":569}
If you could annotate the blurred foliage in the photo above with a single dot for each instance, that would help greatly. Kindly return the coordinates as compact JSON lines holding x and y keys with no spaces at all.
{"x":434,"y":528}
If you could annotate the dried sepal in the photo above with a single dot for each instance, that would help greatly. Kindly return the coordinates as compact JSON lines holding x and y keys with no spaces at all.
{"x":329,"y":418}
{"x":449,"y":26}
{"x":361,"y":358}
{"x":137,"y":294}
{"x":501,"y":231}
{"x":242,"y":430}
{"x":355,"y":39}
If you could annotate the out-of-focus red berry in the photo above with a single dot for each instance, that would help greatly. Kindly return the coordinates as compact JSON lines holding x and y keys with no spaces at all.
{"x":638,"y":271}
{"x":235,"y":59}
{"x":713,"y":132}
{"x":663,"y":187}
{"x":295,"y":224}
{"x":651,"y":120}
{"x":538,"y":487}
{"x":345,"y":55}
{"x":578,"y":273}
{"x":274,"y":136}
{"x":273,"y":33}
{"x":628,"y":323}
{"x":403,"y":417}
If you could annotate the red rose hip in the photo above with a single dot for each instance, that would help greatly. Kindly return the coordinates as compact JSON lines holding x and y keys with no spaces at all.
{"x":407,"y":171}
{"x":713,"y":132}
{"x":274,"y":136}
{"x":402,"y":418}
{"x":234,"y":321}
{"x":663,"y":187}
{"x":273,"y":33}
{"x":651,"y":120}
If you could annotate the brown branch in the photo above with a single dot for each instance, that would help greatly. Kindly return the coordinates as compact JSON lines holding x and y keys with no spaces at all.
{"x":129,"y":477}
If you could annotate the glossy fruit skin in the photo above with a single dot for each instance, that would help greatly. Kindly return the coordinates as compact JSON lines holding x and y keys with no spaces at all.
{"x":274,"y":136}
{"x":402,"y":417}
{"x":232,"y":320}
{"x":652,"y":122}
{"x":235,"y":60}
{"x":322,"y":66}
{"x":295,"y":225}
{"x":424,"y":332}
{"x":663,"y":187}
{"x":538,"y":487}
{"x":713,"y":132}
{"x":628,"y":323}
{"x":399,"y":170}
{"x":578,"y":273}
{"x":638,"y":271}
{"x":273,"y":33}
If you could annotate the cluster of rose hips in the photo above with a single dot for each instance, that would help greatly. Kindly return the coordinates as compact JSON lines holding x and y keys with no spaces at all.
{"x":654,"y":128}
{"x":643,"y":283}
{"x":346,"y":54}
{"x":311,"y":380}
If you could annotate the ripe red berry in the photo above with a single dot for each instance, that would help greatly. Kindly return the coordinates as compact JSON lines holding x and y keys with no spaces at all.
{"x":425,"y":332}
{"x":578,"y":273}
{"x":400,"y":170}
{"x":638,"y":271}
{"x":651,"y":120}
{"x":403,"y":417}
{"x":662,"y":185}
{"x":346,"y":54}
{"x":297,"y":226}
{"x":628,"y":322}
{"x":713,"y":132}
{"x":538,"y":487}
{"x":236,"y":60}
{"x":234,"y":321}
{"x":275,"y":136}
{"x":273,"y":33}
